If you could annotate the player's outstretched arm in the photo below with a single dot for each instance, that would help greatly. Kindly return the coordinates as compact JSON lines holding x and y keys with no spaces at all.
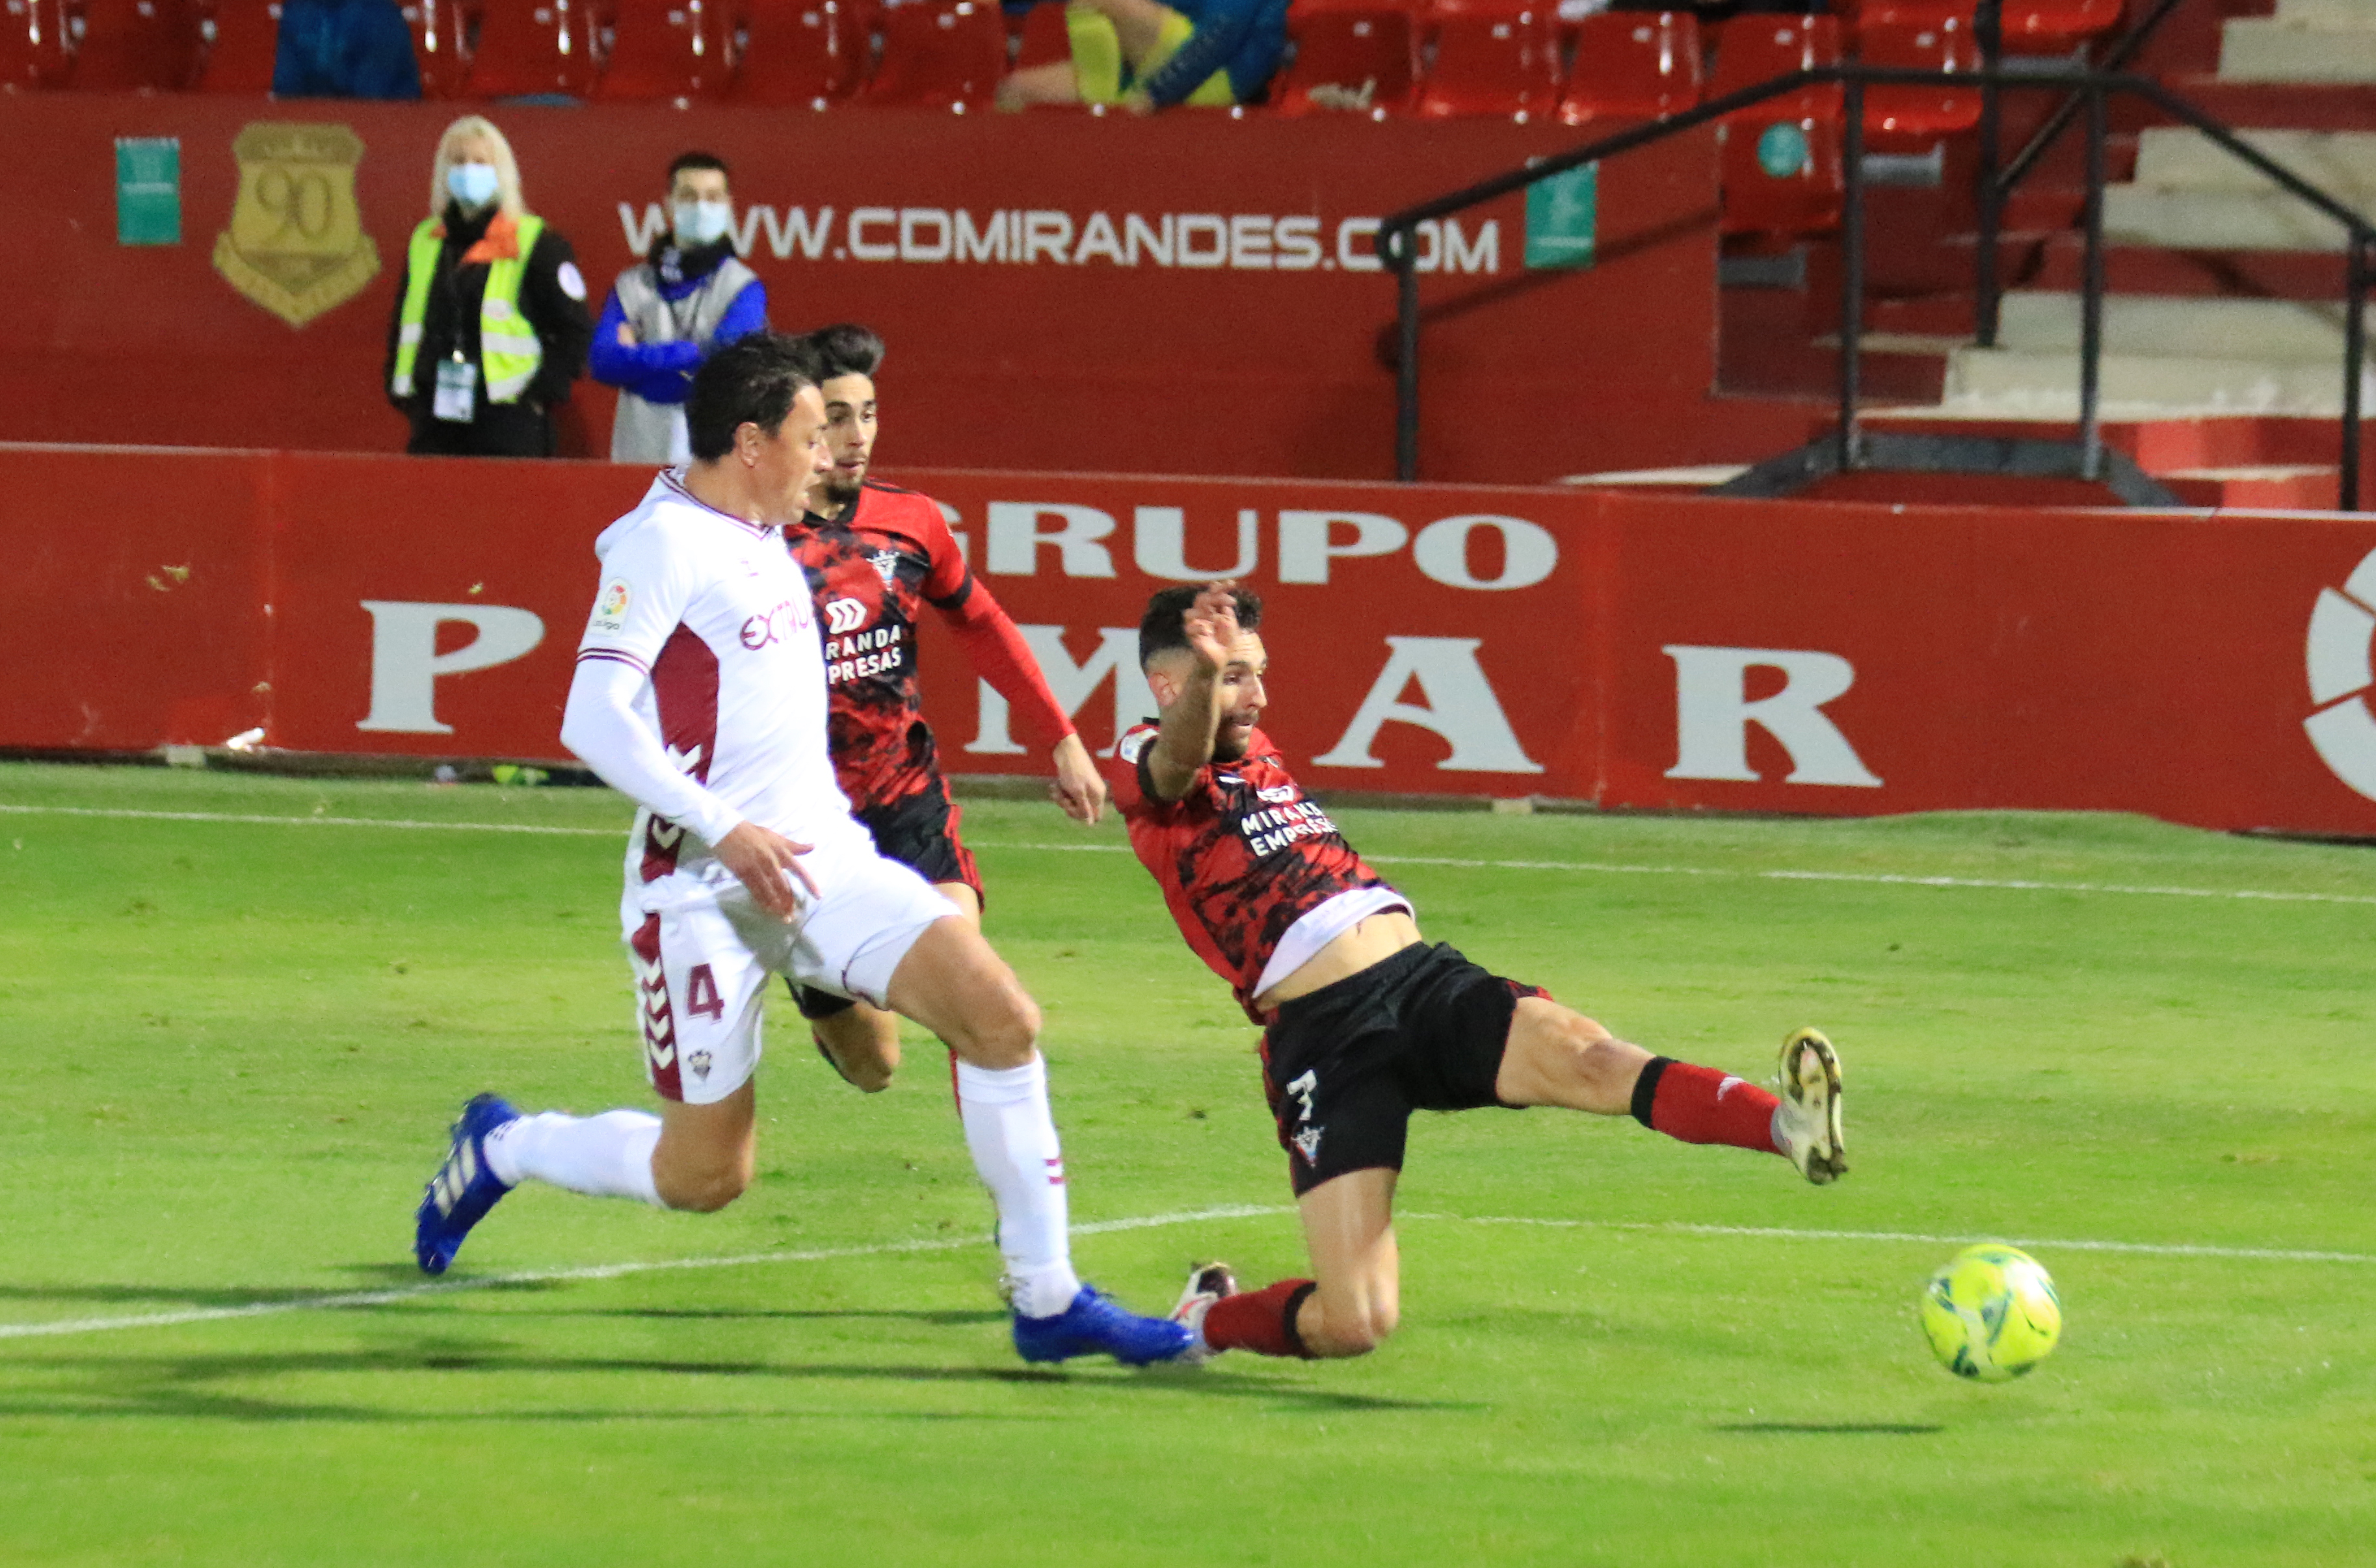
{"x":1183,"y":742}
{"x":601,"y":725}
{"x":1078,"y":788}
{"x":1000,"y":656}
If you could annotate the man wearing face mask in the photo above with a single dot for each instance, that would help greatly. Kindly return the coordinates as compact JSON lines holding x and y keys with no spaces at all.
{"x":491,"y":325}
{"x":667,"y":314}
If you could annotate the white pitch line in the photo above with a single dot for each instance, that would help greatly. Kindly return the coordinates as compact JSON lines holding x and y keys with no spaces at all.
{"x":1602,"y":868}
{"x":331,"y":1302}
{"x":399,"y":823}
{"x":2145,"y":1249}
{"x":1621,"y":868}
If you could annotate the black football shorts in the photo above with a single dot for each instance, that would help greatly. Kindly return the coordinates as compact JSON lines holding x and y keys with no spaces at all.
{"x":918,"y":831}
{"x":1345,"y":1066}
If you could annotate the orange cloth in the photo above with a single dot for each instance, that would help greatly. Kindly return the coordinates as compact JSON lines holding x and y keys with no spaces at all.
{"x":500,"y":243}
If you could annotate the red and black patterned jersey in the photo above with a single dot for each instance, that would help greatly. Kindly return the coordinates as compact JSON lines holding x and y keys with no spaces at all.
{"x":871,"y":572}
{"x":1241,"y":857}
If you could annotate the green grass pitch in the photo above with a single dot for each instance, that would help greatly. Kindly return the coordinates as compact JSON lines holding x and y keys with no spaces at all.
{"x":233,"y":1048}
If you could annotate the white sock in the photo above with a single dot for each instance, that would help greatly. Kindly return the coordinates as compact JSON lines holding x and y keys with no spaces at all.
{"x":1014,"y":1143}
{"x":608,"y":1155}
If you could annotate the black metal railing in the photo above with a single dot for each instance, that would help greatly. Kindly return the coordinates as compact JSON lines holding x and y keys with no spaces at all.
{"x":1849,"y":447}
{"x":1995,"y":185}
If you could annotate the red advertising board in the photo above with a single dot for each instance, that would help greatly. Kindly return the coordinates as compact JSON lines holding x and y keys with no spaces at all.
{"x":1631,"y":650}
{"x":1187,"y":293}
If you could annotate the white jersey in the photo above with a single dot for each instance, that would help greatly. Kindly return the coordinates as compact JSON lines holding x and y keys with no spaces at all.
{"x":717,"y":615}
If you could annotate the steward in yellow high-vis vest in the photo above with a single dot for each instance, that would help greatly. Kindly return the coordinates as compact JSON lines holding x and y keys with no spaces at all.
{"x":490,"y":329}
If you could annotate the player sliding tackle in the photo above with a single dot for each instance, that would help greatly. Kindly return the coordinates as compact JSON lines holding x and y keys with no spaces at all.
{"x":700,"y":691}
{"x":1363,"y":1021}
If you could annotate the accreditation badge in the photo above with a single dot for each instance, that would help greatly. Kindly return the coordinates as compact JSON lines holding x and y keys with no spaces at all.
{"x":456,"y":396}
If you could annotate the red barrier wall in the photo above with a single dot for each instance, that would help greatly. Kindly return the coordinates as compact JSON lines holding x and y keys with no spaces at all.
{"x":1634,"y":650}
{"x":1253,"y":346}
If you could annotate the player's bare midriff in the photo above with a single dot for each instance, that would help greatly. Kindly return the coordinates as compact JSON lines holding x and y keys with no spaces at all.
{"x":1373,"y":940}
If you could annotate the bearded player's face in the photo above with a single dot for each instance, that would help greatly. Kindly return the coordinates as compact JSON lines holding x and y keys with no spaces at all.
{"x":1243,"y":697}
{"x":850,"y":430}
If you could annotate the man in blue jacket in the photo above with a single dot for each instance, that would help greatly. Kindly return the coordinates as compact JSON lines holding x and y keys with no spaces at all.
{"x":344,"y":49}
{"x":691,"y":297}
{"x":1147,"y":57}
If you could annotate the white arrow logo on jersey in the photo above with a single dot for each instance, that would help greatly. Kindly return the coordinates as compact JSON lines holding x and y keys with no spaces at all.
{"x":844,"y":616}
{"x":659,"y":1022}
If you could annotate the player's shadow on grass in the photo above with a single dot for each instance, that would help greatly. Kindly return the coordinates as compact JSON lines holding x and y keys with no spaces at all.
{"x":1836,"y":1429}
{"x":369,"y":1276}
{"x":177,"y":1385}
{"x":192,"y":1404}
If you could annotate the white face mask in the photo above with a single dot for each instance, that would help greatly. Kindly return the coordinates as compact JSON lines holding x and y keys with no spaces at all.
{"x":703,"y":222}
{"x":472,"y":185}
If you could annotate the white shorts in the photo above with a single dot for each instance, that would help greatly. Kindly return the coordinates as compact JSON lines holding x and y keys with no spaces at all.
{"x":702,"y":965}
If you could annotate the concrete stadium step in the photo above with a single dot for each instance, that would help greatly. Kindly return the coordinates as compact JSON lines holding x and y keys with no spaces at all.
{"x":2191,"y":194}
{"x":2043,"y":385}
{"x":2152,"y":326}
{"x":2326,"y":13}
{"x":2217,"y":220}
{"x":2180,"y":158}
{"x":2333,"y":45}
{"x":2145,"y":270}
{"x":2162,"y":356}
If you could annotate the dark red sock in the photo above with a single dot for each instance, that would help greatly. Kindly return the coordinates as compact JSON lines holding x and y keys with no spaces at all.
{"x":1262,"y":1320}
{"x":1700,"y":1105}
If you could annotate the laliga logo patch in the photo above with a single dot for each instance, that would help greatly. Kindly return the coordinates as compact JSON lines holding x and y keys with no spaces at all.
{"x":610,"y":609}
{"x":843,"y":615}
{"x":2342,"y":634}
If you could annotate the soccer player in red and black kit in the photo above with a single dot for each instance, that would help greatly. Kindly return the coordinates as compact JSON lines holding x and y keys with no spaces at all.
{"x":1363,"y":1022}
{"x":876,"y":556}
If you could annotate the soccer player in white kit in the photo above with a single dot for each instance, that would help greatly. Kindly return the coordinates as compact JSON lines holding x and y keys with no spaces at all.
{"x":700,"y":693}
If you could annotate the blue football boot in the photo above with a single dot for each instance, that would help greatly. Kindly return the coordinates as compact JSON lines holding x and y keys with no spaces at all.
{"x":464,"y":1189}
{"x":1094,"y":1324}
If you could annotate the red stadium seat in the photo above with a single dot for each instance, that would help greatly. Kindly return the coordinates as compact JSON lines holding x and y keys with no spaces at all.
{"x":1357,"y":55}
{"x":134,"y":45}
{"x":440,"y":45}
{"x":2057,"y":27}
{"x":940,"y":55}
{"x":1914,"y":119}
{"x":1780,"y":166}
{"x":1492,"y":57}
{"x":534,"y":48}
{"x":1756,"y":49}
{"x":1632,"y":66}
{"x":664,"y":49}
{"x":34,"y":49}
{"x":806,"y":52}
{"x":242,"y":38}
{"x":2031,"y":27}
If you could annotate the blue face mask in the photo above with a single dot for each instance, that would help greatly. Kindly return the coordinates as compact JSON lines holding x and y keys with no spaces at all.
{"x":702,"y":222}
{"x":472,"y":185}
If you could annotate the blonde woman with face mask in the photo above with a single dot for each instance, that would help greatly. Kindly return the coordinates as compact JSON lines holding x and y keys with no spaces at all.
{"x":691,"y":297}
{"x":490,"y":326}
